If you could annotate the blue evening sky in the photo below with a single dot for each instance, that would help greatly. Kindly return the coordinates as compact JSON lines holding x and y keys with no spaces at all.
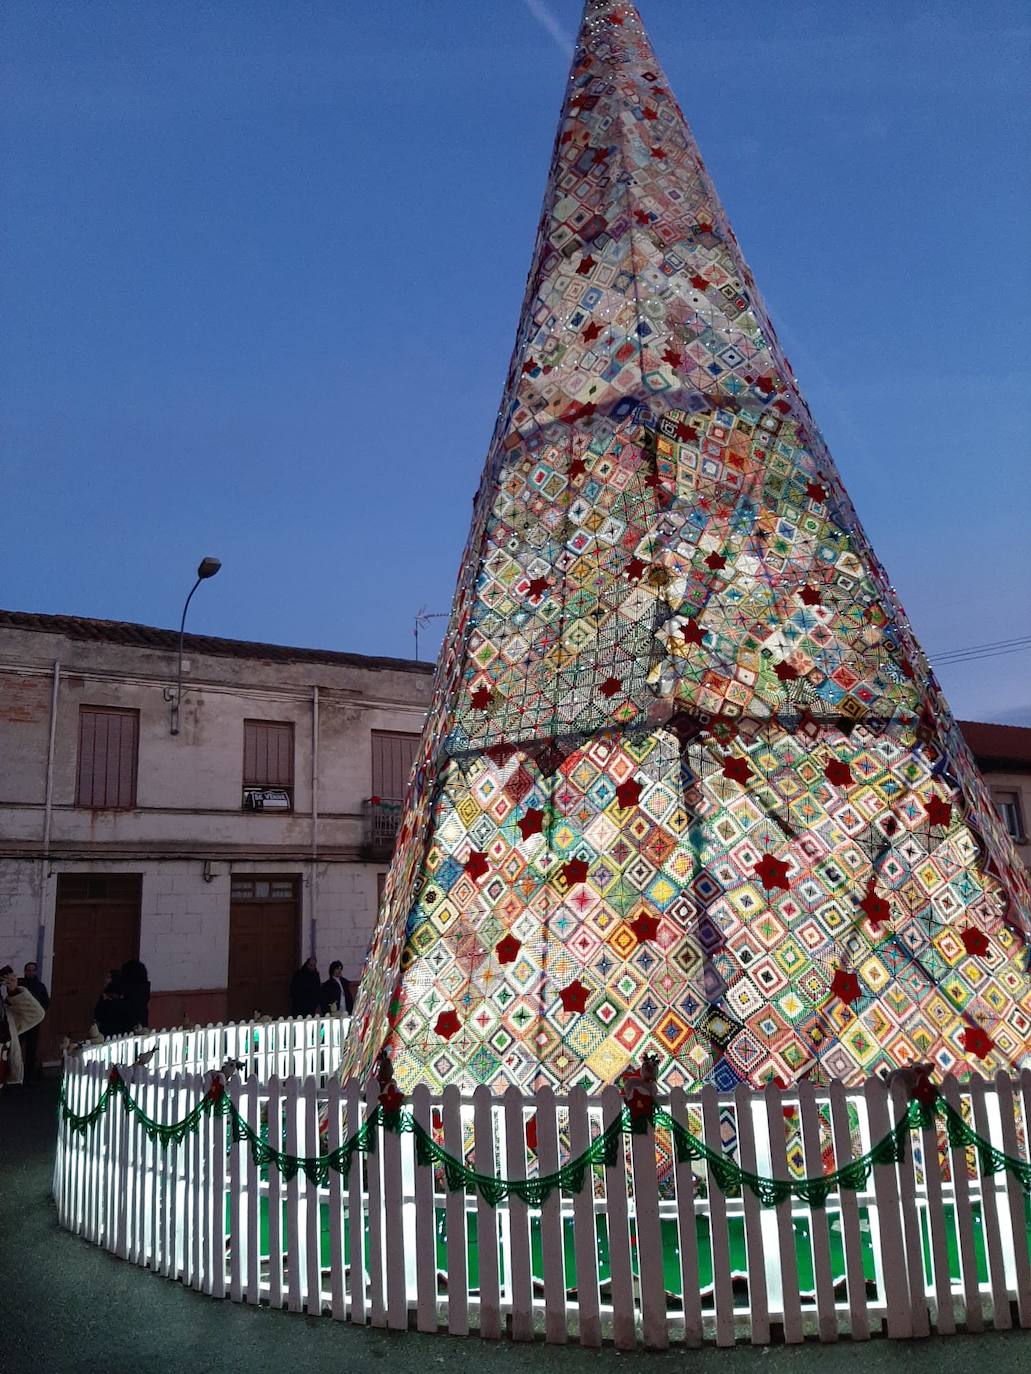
{"x":263,"y":261}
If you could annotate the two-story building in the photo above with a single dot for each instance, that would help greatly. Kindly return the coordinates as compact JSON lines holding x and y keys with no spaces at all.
{"x":220,"y":855}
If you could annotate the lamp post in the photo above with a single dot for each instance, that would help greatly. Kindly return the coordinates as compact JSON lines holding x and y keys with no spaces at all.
{"x":207,"y":567}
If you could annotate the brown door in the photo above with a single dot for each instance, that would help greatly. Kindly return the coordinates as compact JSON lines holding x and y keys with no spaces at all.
{"x":264,"y":945}
{"x":96,"y":929}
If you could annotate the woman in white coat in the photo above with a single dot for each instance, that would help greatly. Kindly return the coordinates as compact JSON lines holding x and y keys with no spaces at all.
{"x":19,"y":1012}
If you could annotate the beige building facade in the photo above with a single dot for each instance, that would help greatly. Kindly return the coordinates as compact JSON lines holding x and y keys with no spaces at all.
{"x":221,"y":855}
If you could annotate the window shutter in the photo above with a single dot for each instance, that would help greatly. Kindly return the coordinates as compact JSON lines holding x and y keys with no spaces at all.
{"x":108,"y":751}
{"x":392,"y":756}
{"x":268,"y":753}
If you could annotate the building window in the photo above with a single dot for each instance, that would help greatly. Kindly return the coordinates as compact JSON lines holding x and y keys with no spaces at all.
{"x":108,"y":752}
{"x":1008,"y":806}
{"x":268,"y":765}
{"x":392,"y":755}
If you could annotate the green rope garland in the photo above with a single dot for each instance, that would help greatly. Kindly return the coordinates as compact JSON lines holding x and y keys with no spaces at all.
{"x":570,"y":1178}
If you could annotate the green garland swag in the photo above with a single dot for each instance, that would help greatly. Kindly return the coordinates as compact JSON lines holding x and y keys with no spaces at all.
{"x":570,"y":1178}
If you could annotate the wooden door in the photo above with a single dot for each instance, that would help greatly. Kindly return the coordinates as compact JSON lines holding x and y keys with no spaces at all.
{"x":264,"y":945}
{"x":96,"y":929}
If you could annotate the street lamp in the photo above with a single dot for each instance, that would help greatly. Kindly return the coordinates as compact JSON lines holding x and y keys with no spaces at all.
{"x":207,"y":567}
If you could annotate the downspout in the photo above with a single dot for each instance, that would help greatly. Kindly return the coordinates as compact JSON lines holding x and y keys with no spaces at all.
{"x":314,"y":878}
{"x":48,"y":811}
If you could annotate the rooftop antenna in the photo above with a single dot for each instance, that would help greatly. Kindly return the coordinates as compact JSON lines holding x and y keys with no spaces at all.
{"x":422,"y":620}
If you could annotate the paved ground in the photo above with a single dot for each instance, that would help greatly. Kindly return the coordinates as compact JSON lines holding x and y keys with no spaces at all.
{"x":67,"y":1308}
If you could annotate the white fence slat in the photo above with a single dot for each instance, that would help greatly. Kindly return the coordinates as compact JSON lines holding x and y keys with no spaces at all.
{"x":173,"y":1258}
{"x":198,"y":1158}
{"x":556,"y":1327}
{"x":1015,"y":1198}
{"x":457,"y":1257}
{"x":687,"y":1231}
{"x":135,"y":1203}
{"x":791,"y":1303}
{"x":216,"y":1284}
{"x":356,"y":1306}
{"x":719,"y":1235}
{"x":945,"y":1313}
{"x":973,"y":1311}
{"x":313,"y":1200}
{"x":889,"y":1219}
{"x":161,"y":1180}
{"x":851,"y":1235}
{"x":651,"y":1274}
{"x":393,"y":1211}
{"x":1002,"y":1318}
{"x":585,"y":1228}
{"x":899,"y":1102}
{"x":252,"y":1195}
{"x":624,"y":1323}
{"x":819,"y":1224}
{"x":293,"y":1259}
{"x":758,"y":1300}
{"x":425,"y":1225}
{"x":275,"y":1193}
{"x":336,"y":1203}
{"x":377,"y":1294}
{"x":109,"y":1127}
{"x":486,"y":1219}
{"x":519,"y":1263}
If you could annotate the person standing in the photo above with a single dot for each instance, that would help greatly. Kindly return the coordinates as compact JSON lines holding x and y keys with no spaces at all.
{"x":135,"y":990}
{"x":336,"y":991}
{"x":19,"y":1012}
{"x":306,"y":990}
{"x":32,"y":983}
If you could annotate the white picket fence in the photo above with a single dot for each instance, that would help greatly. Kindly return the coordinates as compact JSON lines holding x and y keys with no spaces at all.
{"x":649,"y":1251}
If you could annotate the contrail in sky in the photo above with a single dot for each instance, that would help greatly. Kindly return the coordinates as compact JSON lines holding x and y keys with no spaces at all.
{"x":547,"y":20}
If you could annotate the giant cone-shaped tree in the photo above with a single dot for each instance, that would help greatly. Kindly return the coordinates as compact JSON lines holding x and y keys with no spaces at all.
{"x":687,"y":784}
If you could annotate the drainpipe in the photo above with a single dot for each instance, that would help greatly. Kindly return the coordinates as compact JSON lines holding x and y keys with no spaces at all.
{"x":48,"y":809}
{"x":314,"y":883}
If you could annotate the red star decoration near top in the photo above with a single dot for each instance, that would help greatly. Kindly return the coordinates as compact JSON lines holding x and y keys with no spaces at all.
{"x":686,"y":434}
{"x":615,"y":19}
{"x":692,"y":633}
{"x":635,"y":569}
{"x":507,"y":949}
{"x":600,"y":154}
{"x":974,"y":941}
{"x":649,"y":113}
{"x":838,"y":773}
{"x":977,"y":1041}
{"x":700,"y":283}
{"x":574,"y":997}
{"x":658,"y":153}
{"x":938,"y":812}
{"x":538,"y":586}
{"x":671,"y":356}
{"x":716,"y":562}
{"x":591,"y":332}
{"x":586,"y":265}
{"x":610,"y":687}
{"x":447,"y":1024}
{"x":531,"y":823}
{"x":765,"y":383}
{"x":772,"y":872}
{"x":628,"y":793}
{"x":642,"y":217}
{"x":575,"y":871}
{"x":476,"y":864}
{"x":530,"y":365}
{"x":816,"y":491}
{"x":577,"y":467}
{"x":846,"y":986}
{"x":481,"y":698}
{"x":810,"y":596}
{"x":737,"y":770}
{"x":645,"y":927}
{"x":785,"y":672}
{"x":875,"y":909}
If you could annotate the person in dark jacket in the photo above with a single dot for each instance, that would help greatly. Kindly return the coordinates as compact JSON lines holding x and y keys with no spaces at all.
{"x":135,"y":986}
{"x":305,"y":990}
{"x":107,"y":1014}
{"x":30,"y":1039}
{"x":336,"y":991}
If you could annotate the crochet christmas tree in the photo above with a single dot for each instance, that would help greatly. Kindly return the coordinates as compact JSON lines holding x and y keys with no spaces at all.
{"x":688,"y":785}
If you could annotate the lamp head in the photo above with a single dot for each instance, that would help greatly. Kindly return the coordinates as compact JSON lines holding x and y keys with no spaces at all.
{"x":208,"y":567}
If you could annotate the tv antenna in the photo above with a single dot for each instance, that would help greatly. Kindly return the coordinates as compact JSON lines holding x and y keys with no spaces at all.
{"x":422,"y":620}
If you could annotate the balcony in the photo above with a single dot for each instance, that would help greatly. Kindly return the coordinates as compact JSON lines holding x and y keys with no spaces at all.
{"x":380,"y":819}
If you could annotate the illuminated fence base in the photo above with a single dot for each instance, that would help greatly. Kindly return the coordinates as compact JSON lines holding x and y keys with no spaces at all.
{"x":650,"y":1250}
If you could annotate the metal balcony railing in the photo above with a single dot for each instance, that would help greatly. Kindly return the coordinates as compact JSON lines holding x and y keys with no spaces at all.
{"x":380,"y":819}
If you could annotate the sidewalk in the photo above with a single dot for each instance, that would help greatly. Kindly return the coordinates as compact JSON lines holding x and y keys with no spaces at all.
{"x":67,"y":1308}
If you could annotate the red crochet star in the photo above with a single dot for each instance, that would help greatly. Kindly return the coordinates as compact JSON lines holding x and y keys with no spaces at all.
{"x":875,"y":908}
{"x":974,"y":941}
{"x":785,"y":672}
{"x":645,"y":927}
{"x":507,"y":949}
{"x":716,"y":562}
{"x":574,"y":871}
{"x":447,"y":1024}
{"x":600,"y":154}
{"x":816,"y":491}
{"x":810,"y":596}
{"x":476,"y":864}
{"x":772,"y":872}
{"x":938,"y":812}
{"x":628,"y":793}
{"x":574,"y":997}
{"x":977,"y":1041}
{"x":538,"y":586}
{"x":610,"y":687}
{"x":586,"y":265}
{"x":838,"y":773}
{"x":737,"y":769}
{"x":700,"y":283}
{"x":686,"y":434}
{"x":577,"y":467}
{"x":531,"y":1134}
{"x":692,"y":633}
{"x":481,"y":698}
{"x":659,"y":154}
{"x":642,"y":217}
{"x":765,"y":383}
{"x":530,"y":365}
{"x":846,"y":986}
{"x":671,"y":356}
{"x":591,"y":332}
{"x":649,"y":113}
{"x":532,"y":823}
{"x":635,"y":569}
